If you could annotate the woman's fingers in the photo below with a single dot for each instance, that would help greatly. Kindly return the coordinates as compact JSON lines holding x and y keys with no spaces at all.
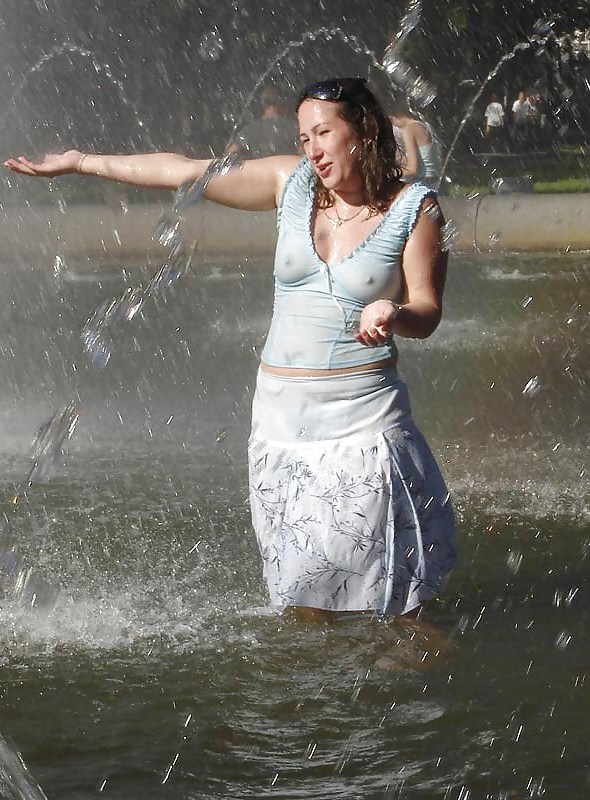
{"x":372,"y":336}
{"x":50,"y":166}
{"x":20,"y":164}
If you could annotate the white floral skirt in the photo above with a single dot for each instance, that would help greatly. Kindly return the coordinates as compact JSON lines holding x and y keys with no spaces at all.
{"x":350,"y":510}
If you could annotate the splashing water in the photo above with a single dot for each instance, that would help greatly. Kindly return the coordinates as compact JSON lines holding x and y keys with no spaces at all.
{"x":97,"y":343}
{"x":96,"y":340}
{"x":47,"y":447}
{"x":410,"y":20}
{"x":401,"y":74}
{"x":211,"y":46}
{"x":68,"y":48}
{"x":533,"y":386}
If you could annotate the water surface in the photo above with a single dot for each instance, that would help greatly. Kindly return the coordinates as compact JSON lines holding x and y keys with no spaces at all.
{"x":160,"y":672}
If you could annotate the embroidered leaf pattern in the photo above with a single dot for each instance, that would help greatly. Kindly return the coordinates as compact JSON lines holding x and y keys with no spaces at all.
{"x":345,"y":527}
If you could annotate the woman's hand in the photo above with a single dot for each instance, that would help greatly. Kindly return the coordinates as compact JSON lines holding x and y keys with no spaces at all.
{"x":375,"y":326}
{"x":50,"y":167}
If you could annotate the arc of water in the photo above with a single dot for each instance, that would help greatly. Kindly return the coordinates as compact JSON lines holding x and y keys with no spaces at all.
{"x":536,"y":40}
{"x":508,"y":57}
{"x":69,"y":48}
{"x":410,"y":20}
{"x":97,"y":343}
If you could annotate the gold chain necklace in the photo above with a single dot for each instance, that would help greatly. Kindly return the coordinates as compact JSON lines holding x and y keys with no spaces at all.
{"x":336,"y":223}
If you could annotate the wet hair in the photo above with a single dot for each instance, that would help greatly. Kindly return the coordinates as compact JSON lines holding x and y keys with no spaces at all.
{"x":358,"y":106}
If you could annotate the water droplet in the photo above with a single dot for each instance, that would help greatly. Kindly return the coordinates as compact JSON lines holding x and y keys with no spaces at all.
{"x":563,"y":640}
{"x":59,"y":267}
{"x":128,"y":305}
{"x":533,"y":386}
{"x":526,"y":301}
{"x":514,"y":561}
{"x":449,"y":236}
{"x":211,"y":46}
{"x":167,"y":233}
{"x":47,"y":447}
{"x":96,"y":347}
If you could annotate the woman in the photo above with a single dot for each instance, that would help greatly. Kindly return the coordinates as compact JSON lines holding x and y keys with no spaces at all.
{"x":418,"y":145}
{"x":350,"y":510}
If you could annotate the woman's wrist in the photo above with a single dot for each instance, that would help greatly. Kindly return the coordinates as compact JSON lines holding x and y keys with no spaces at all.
{"x":396,"y":308}
{"x":81,"y":160}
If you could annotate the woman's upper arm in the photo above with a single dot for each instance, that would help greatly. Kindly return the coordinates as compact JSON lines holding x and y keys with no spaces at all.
{"x":256,"y":185}
{"x":424,"y":262}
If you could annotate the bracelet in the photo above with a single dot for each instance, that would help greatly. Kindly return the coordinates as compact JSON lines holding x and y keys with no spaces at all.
{"x":83,"y":157}
{"x":396,"y":308}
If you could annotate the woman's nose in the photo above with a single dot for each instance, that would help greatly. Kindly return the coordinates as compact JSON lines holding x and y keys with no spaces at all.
{"x":314,"y":150}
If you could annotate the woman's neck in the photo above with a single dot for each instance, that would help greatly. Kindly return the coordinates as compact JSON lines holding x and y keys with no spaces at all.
{"x":345,"y":198}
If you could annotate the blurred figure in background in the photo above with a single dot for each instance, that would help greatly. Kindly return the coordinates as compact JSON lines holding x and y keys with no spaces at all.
{"x":417,"y":144}
{"x":494,"y":115}
{"x":273,"y":133}
{"x":520,"y":118}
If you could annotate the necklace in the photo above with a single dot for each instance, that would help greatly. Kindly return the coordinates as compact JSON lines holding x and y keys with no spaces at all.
{"x":336,"y":223}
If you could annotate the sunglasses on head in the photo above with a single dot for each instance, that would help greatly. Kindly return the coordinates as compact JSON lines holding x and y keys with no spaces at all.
{"x":334,"y":89}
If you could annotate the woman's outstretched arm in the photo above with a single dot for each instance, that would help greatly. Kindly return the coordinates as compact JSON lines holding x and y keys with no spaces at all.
{"x":256,"y":185}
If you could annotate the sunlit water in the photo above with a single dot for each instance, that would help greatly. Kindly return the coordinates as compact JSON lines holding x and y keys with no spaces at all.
{"x":160,"y":673}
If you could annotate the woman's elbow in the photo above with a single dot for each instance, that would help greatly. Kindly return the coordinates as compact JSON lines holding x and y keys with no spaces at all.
{"x":430,"y":323}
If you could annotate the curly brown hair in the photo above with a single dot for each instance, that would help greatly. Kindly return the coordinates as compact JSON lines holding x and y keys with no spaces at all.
{"x":358,"y":106}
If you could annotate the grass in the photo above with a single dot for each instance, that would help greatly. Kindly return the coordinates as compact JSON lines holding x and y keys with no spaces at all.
{"x":563,"y":170}
{"x":563,"y":186}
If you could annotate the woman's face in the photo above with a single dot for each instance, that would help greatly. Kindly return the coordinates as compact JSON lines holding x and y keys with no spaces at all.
{"x":330,"y":144}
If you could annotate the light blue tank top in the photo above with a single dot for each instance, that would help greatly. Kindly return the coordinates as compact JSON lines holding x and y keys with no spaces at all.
{"x":429,"y":156}
{"x":317,"y":308}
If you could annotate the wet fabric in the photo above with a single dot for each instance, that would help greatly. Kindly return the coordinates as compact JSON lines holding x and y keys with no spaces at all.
{"x":318,"y":307}
{"x":350,"y":510}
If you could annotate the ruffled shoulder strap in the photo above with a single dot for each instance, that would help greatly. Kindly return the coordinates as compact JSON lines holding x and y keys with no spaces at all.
{"x":297,"y":194}
{"x":404,"y":213}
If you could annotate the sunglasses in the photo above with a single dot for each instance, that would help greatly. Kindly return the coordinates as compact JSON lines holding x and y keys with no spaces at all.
{"x":335,"y":89}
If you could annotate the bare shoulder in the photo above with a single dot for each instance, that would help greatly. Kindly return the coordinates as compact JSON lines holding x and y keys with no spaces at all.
{"x":276,"y":168}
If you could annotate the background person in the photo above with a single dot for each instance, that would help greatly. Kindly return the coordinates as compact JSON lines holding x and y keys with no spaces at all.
{"x":420,"y":151}
{"x":273,"y":133}
{"x":494,"y":116}
{"x":350,"y":510}
{"x":520,"y":117}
